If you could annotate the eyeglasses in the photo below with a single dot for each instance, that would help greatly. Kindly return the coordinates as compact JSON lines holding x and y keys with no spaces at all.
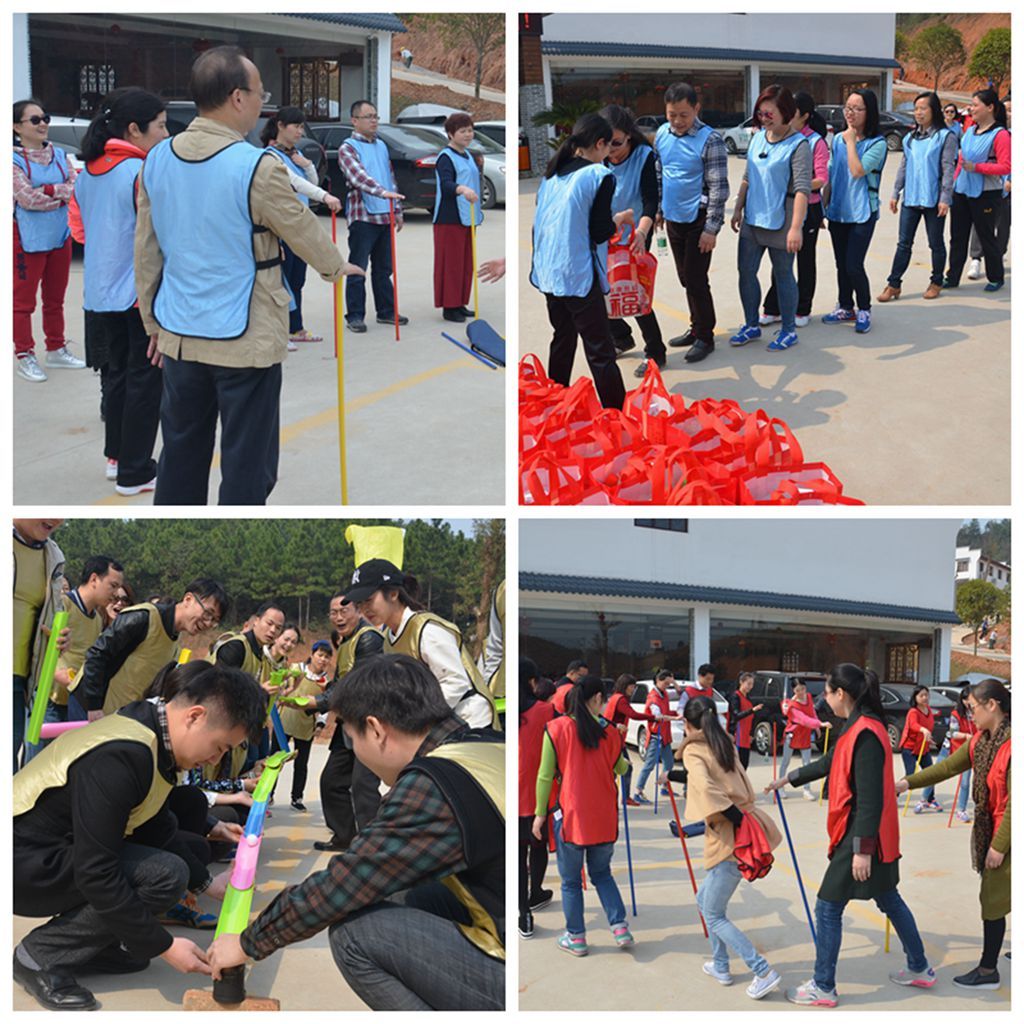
{"x":264,"y":96}
{"x":854,"y":110}
{"x":210,"y":617}
{"x":36,"y":119}
{"x":616,"y":143}
{"x":366,"y":117}
{"x":763,"y":114}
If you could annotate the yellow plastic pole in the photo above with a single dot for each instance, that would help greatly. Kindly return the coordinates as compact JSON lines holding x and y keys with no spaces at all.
{"x":828,"y":734}
{"x":186,"y":654}
{"x":339,"y":333}
{"x":888,"y":928}
{"x":476,"y":282}
{"x":916,"y":766}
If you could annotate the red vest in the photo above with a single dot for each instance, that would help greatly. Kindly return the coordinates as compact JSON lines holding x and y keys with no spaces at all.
{"x":588,"y":795}
{"x":956,"y":725}
{"x":560,"y":697}
{"x":615,"y":709}
{"x":745,"y":724}
{"x":840,"y":795}
{"x":531,"y":742}
{"x":998,"y":793}
{"x":664,"y":727}
{"x":799,"y":735}
{"x":911,"y":738}
{"x":696,"y":691}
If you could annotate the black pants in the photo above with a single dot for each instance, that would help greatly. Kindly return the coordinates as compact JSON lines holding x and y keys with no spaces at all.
{"x":744,"y":755}
{"x":654,"y":346}
{"x":850,"y":245}
{"x":300,"y":766}
{"x":692,"y":267}
{"x":131,"y":387}
{"x":349,"y":792}
{"x":248,"y":405}
{"x":295,"y":273}
{"x":806,"y":267}
{"x":585,"y":318}
{"x":533,"y":862}
{"x":994,"y":932}
{"x":981,"y":213}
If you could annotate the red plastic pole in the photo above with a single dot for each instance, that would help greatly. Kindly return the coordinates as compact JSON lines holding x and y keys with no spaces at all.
{"x":686,"y":854}
{"x":394,"y":264}
{"x":956,"y":796}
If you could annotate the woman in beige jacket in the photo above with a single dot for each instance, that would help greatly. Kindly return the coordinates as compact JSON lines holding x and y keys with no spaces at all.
{"x":719,"y":794}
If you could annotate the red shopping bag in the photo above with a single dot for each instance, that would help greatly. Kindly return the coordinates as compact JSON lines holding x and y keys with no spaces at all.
{"x":630,"y":280}
{"x":811,"y":483}
{"x":653,"y":407}
{"x":547,"y":480}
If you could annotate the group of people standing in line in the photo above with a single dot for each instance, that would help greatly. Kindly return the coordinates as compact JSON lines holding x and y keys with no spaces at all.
{"x":184,"y":334}
{"x":606,"y":179}
{"x":569,"y":795}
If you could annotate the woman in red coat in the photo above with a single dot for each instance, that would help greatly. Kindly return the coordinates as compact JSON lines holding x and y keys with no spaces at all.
{"x":800,"y":723}
{"x":618,"y":712}
{"x":917,"y":736}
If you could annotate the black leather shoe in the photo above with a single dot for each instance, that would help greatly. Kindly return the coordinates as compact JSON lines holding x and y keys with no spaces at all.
{"x":390,"y":320}
{"x":456,"y":316}
{"x":467,"y":312}
{"x":329,"y":844}
{"x":114,"y":960}
{"x":53,"y":990}
{"x":700,"y":349}
{"x":683,"y":341}
{"x":356,"y":326}
{"x":298,"y":805}
{"x":641,"y":368}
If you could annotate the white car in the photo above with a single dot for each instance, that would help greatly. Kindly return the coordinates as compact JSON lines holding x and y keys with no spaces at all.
{"x":494,"y":130}
{"x":637,"y":732}
{"x":67,"y":133}
{"x":737,"y":140}
{"x":493,"y":183}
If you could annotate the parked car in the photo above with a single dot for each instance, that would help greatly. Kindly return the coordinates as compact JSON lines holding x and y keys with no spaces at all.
{"x":637,"y":733}
{"x":494,"y":130}
{"x":951,"y":691}
{"x":771,"y":688}
{"x":492,"y":181}
{"x":893,"y":128}
{"x":67,"y":133}
{"x":737,"y":140}
{"x":896,"y":702}
{"x":649,"y":124}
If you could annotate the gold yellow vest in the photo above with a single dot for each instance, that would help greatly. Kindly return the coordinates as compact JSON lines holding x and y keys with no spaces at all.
{"x":84,"y":631}
{"x":29,"y":598}
{"x":135,"y":675}
{"x":254,"y":664}
{"x":408,"y":642}
{"x":235,"y":761}
{"x":49,"y":769}
{"x":295,"y":720}
{"x":485,"y":762}
{"x":496,"y":684}
{"x":346,"y":658}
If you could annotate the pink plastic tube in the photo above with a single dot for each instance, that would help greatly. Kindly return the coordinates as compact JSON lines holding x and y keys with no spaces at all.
{"x":51,"y":729}
{"x":244,"y":873}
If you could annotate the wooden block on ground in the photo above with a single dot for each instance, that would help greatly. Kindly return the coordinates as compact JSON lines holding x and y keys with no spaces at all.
{"x":202,"y":999}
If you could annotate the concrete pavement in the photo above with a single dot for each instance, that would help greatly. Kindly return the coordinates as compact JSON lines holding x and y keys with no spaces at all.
{"x":915,"y":412}
{"x":425,"y":422}
{"x":663,"y":970}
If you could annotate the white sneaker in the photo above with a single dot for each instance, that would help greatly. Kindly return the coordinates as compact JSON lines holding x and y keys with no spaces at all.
{"x":974,"y":273}
{"x":29,"y":369}
{"x":762,"y":985}
{"x":129,"y":492}
{"x":62,"y":359}
{"x":709,"y":968}
{"x":808,"y":795}
{"x":802,"y":321}
{"x":765,"y":319}
{"x":292,"y":347}
{"x":111,"y":469}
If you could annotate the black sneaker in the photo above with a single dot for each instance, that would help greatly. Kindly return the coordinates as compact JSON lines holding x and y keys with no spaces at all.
{"x":402,"y":320}
{"x":978,"y":980}
{"x":641,"y":368}
{"x":298,"y":805}
{"x":541,"y":899}
{"x":456,"y":316}
{"x":53,"y":990}
{"x":467,"y":312}
{"x":526,"y":925}
{"x":356,"y":326}
{"x":948,"y":282}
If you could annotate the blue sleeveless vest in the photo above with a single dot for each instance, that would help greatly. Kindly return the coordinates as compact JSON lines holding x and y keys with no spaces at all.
{"x":43,"y":230}
{"x":682,"y":172}
{"x":374,"y":157}
{"x":627,"y":181}
{"x":466,"y":173}
{"x":107,"y":203}
{"x":290,"y":163}
{"x":849,"y":202}
{"x":201,"y":218}
{"x":975,"y":148}
{"x":924,"y":169}
{"x":564,"y":260}
{"x":768,"y":174}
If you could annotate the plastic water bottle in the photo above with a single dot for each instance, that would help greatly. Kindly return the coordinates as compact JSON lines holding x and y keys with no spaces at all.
{"x":661,"y":242}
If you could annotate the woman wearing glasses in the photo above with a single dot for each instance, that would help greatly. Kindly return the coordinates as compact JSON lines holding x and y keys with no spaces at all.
{"x":952,"y":119}
{"x":44,"y":181}
{"x":771,"y":207}
{"x":854,"y":170}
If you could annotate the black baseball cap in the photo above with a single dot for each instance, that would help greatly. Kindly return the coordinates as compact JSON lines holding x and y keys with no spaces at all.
{"x":372,"y":576}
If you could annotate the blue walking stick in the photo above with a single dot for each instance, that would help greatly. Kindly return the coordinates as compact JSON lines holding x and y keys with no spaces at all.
{"x":629,"y":852}
{"x":796,"y":867}
{"x":657,"y":768}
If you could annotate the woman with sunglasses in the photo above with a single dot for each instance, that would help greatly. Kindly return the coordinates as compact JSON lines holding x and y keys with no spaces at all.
{"x":953,"y":120}
{"x":634,"y":165}
{"x":44,"y":182}
{"x":771,"y":207}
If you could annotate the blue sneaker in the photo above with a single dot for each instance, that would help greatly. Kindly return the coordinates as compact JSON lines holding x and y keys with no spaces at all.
{"x":782,"y":340}
{"x":993,"y":286}
{"x":838,"y":316}
{"x":863,"y":324}
{"x":640,"y":798}
{"x":744,"y":335}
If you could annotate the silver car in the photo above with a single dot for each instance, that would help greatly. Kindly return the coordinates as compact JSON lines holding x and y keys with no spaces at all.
{"x":637,"y":733}
{"x":493,"y":179}
{"x":737,"y":140}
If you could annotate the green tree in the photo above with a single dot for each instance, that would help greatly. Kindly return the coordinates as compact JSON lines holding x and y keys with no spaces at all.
{"x":991,"y":57}
{"x":938,"y":48}
{"x":969,"y":535}
{"x":482,"y":32}
{"x":902,"y":45}
{"x":977,"y":600}
{"x":562,"y":116}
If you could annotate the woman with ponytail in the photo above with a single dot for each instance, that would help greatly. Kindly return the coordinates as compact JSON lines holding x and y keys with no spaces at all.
{"x":571,"y":229}
{"x":129,"y":123}
{"x":720,"y":794}
{"x":988,"y":754}
{"x":619,"y":712}
{"x":585,"y":752}
{"x":863,"y":834}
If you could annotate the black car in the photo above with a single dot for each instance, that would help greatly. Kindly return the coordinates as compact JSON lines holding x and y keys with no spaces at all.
{"x":413,"y":151}
{"x":893,"y":128}
{"x":896,"y":702}
{"x":771,"y":688}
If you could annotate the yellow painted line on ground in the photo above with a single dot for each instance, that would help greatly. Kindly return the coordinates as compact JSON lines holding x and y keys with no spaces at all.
{"x":327,"y":416}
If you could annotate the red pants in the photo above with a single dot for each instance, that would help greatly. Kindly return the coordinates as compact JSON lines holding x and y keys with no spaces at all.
{"x":453,"y":265}
{"x":51,"y":269}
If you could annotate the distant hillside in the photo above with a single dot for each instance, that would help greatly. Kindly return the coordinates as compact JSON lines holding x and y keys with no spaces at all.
{"x":431,"y":52}
{"x":971,"y":26}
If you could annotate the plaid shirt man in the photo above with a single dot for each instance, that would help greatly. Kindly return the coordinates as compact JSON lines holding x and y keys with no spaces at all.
{"x":716,"y":177}
{"x":359,"y":182}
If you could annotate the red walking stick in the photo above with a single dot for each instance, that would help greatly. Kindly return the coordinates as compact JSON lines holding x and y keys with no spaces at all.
{"x":686,"y":854}
{"x":394,"y":264}
{"x":956,"y":796}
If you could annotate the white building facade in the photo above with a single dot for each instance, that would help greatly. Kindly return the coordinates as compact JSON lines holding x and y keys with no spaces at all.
{"x":793,"y":595}
{"x":971,"y":564}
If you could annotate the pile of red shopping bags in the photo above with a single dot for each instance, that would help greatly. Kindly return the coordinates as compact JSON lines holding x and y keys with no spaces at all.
{"x":658,"y":450}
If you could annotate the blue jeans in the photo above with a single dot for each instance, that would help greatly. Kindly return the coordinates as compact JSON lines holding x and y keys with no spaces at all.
{"x":909,"y":761}
{"x":828,"y":917}
{"x":369,"y":245}
{"x":19,"y":717}
{"x":651,"y":759}
{"x":964,"y":793}
{"x":748,"y":261}
{"x":599,"y":867}
{"x":54,"y":713}
{"x":295,"y":273}
{"x":713,"y":899}
{"x":934,"y":226}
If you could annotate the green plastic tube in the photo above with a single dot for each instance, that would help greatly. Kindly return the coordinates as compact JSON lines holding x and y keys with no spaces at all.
{"x":45,"y":684}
